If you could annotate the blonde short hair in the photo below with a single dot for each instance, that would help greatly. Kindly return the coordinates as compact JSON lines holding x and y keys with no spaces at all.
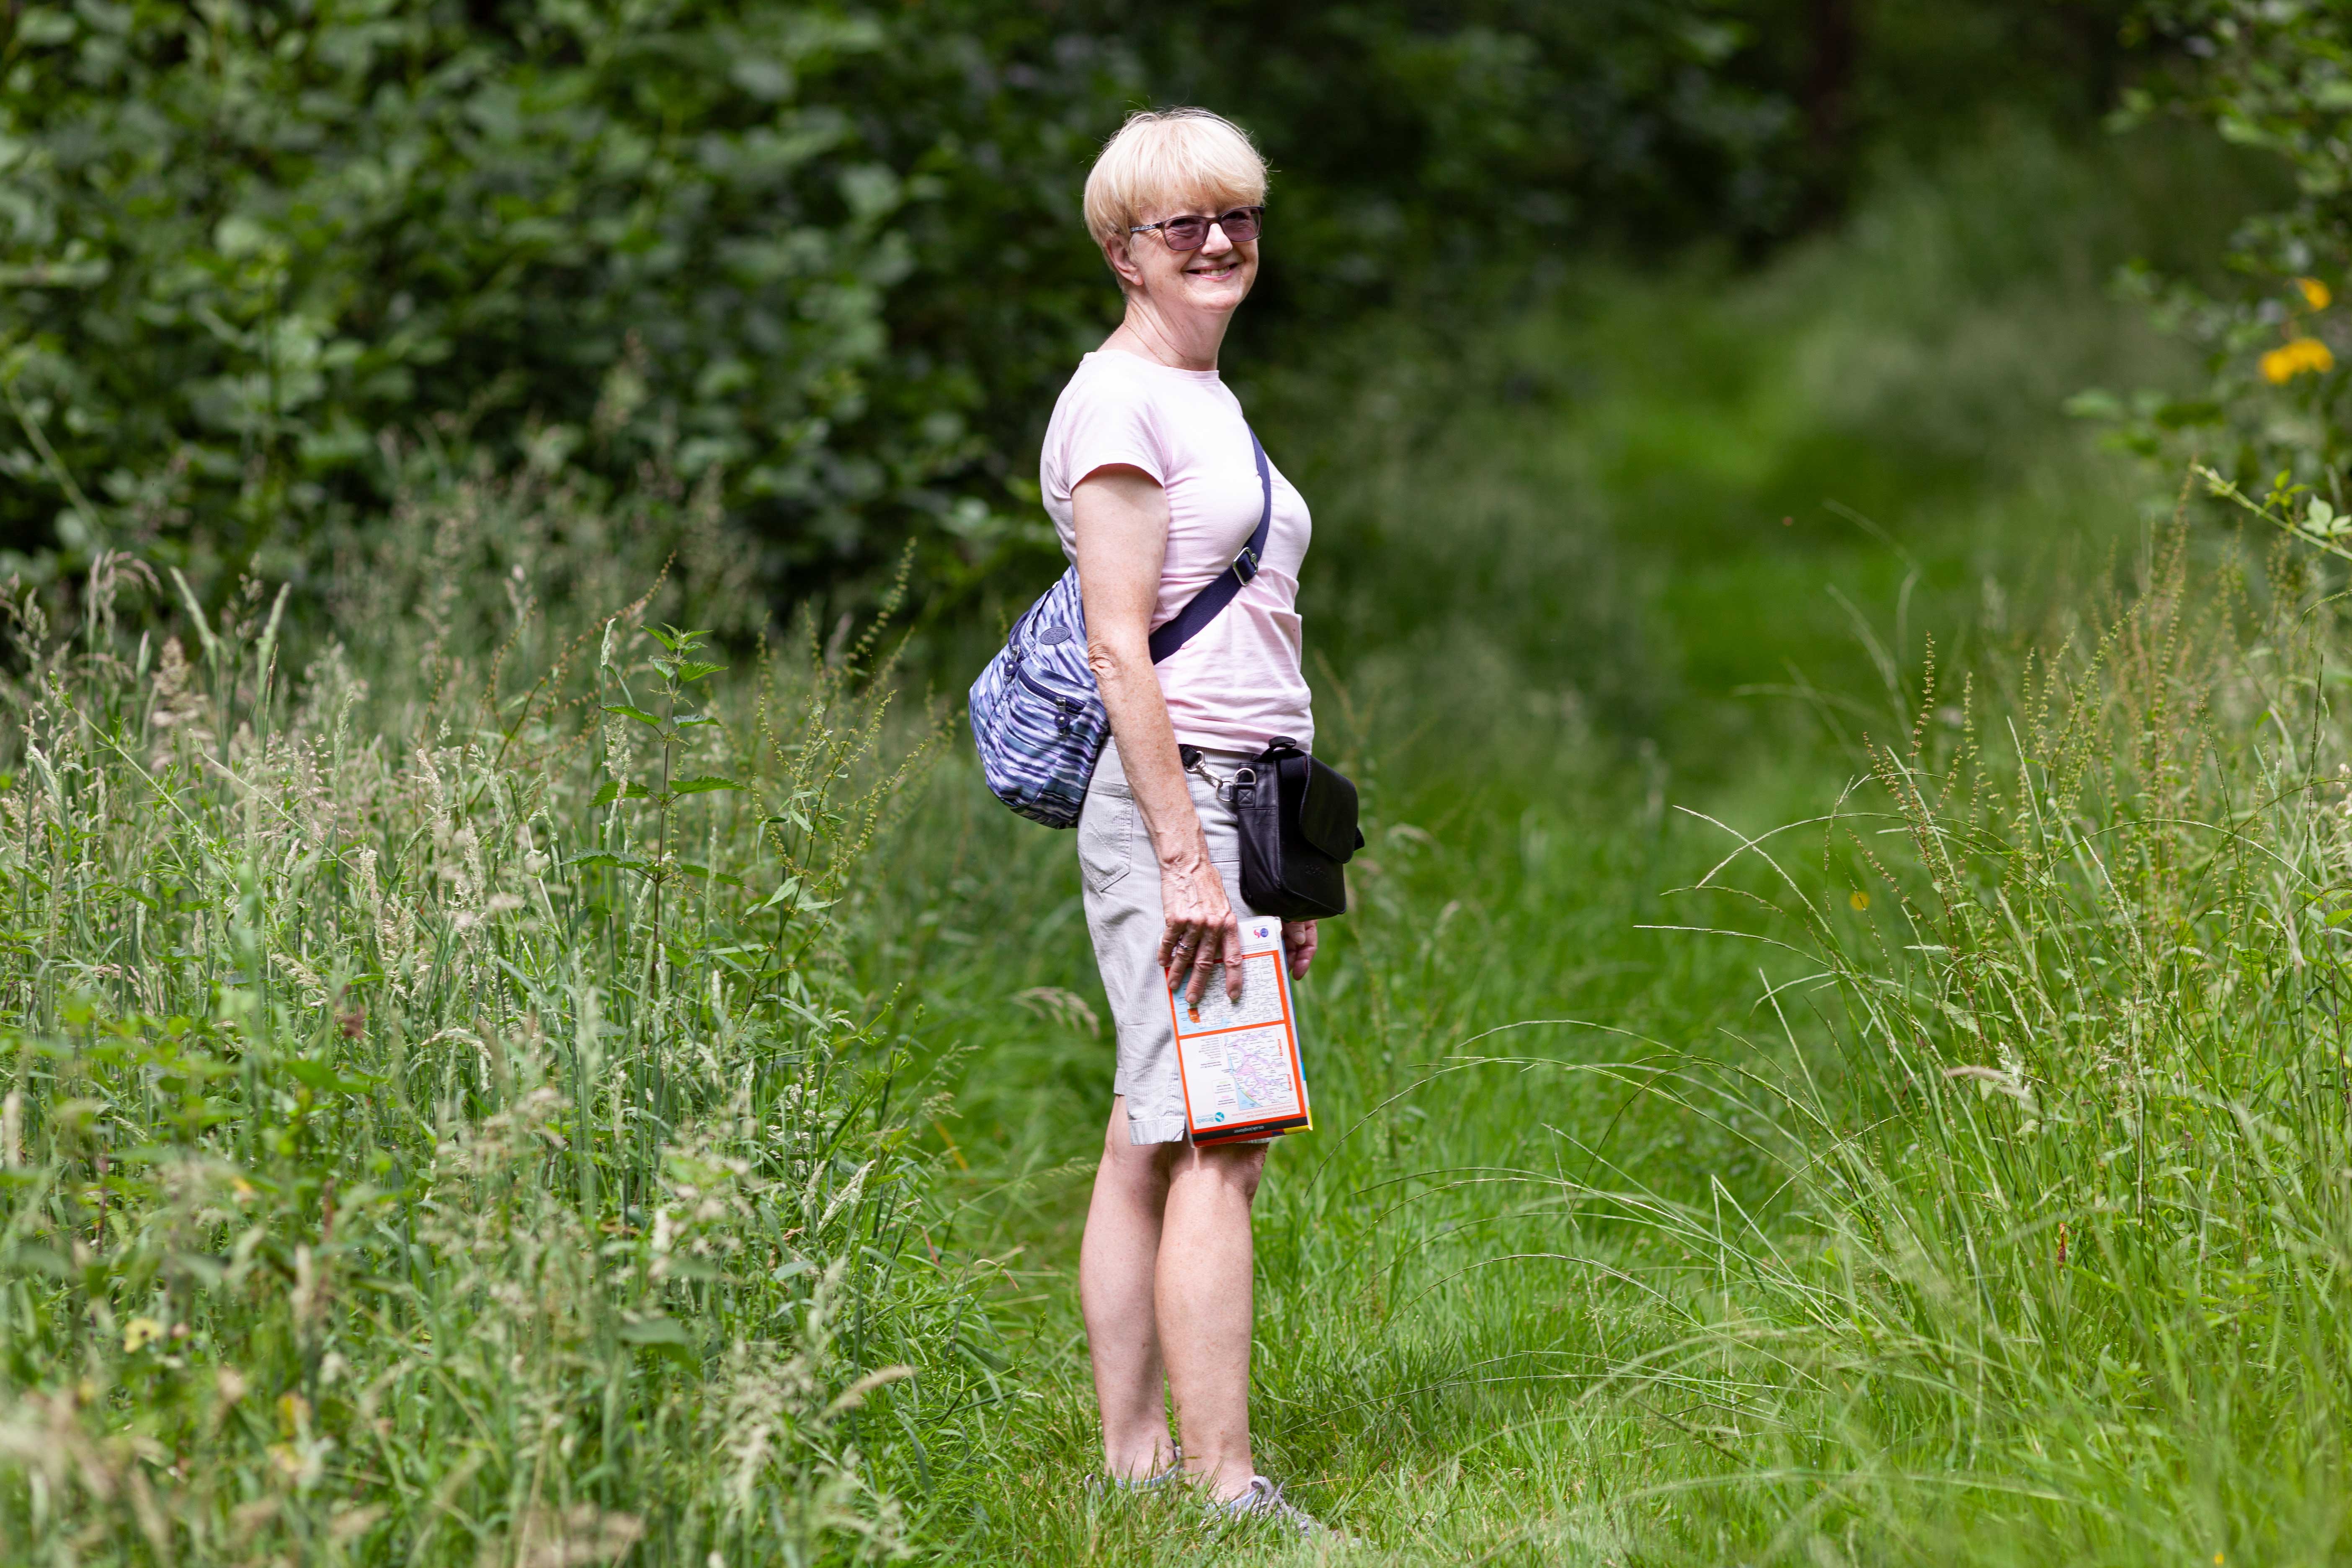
{"x":1172,"y":155}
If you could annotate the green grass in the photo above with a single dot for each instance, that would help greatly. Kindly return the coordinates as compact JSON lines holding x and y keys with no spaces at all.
{"x":435,"y":1127}
{"x":1996,"y":1218}
{"x":1617,"y":1242}
{"x":1421,"y":1344}
{"x":1953,"y":1176}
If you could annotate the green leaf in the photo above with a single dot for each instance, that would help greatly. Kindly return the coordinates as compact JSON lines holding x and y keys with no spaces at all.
{"x":2095,"y":402}
{"x":313,"y":1075}
{"x":640,"y":714}
{"x":793,"y":895}
{"x":691,"y":672}
{"x":205,"y":1271}
{"x":616,"y":789}
{"x":696,"y":869}
{"x":663,"y":1336}
{"x":704,"y":784}
{"x":600,"y":857}
{"x":43,"y":1260}
{"x":655,"y":1332}
{"x":321,"y":1077}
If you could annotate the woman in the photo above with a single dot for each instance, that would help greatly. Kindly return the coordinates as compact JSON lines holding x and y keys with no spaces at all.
{"x":1149,"y":475}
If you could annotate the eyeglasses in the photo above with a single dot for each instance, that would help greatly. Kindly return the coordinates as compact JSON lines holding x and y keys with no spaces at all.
{"x":1241,"y":225}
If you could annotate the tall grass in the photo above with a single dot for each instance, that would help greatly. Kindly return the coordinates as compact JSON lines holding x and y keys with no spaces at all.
{"x":2061,"y":1268}
{"x":436,"y":1128}
{"x":1996,"y":1215}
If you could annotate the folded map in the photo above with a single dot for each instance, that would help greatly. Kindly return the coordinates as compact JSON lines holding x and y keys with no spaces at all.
{"x":1240,"y":1059}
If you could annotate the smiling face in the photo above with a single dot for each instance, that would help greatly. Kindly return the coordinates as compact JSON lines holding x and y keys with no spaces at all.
{"x":1173,"y":163}
{"x":1210,"y":280}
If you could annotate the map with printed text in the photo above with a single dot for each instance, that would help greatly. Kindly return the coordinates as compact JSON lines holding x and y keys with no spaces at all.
{"x":1239,"y":1058}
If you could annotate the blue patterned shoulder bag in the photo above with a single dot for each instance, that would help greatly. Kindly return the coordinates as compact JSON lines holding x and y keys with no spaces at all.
{"x":1036,"y":715}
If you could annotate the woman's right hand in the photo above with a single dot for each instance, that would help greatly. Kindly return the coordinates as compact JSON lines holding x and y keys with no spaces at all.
{"x":1202,"y":930}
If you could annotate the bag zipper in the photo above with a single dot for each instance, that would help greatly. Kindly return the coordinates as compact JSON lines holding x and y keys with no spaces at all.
{"x":1067,"y":704}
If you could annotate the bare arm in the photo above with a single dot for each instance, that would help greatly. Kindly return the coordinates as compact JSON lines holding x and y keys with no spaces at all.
{"x":1122,"y":517}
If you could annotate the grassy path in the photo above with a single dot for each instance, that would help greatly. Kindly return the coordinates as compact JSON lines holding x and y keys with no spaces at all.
{"x":1436,"y":1298}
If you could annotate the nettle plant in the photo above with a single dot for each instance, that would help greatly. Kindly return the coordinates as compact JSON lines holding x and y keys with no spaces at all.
{"x":677,"y":672}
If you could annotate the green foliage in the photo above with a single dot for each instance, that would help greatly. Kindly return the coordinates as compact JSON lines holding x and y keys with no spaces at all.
{"x":1427,"y":152}
{"x":493,"y":1069}
{"x":1625,"y":502}
{"x":827,"y":261}
{"x":1418,"y":144}
{"x":2067,"y":1212}
{"x":2276,"y":79}
{"x":1603,"y":1283}
{"x":389,"y":1175}
{"x":241,"y":246}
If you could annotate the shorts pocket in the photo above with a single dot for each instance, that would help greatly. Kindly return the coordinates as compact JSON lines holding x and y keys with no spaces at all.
{"x":1220,"y":827}
{"x":1106,"y":836}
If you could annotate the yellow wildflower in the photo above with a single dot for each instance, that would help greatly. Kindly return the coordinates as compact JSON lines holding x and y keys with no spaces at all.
{"x":139,"y":1332}
{"x":2314,"y":293}
{"x":2297,"y":357}
{"x":1858,"y":899}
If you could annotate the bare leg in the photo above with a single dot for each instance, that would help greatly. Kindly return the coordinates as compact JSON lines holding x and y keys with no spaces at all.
{"x":1115,"y":1291}
{"x":1203,"y":1286}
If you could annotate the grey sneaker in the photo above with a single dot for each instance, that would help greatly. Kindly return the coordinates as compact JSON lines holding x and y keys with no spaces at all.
{"x":1264,"y":1500}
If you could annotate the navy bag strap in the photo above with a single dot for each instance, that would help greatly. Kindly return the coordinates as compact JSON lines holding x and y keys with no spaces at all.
{"x":1180,"y":627}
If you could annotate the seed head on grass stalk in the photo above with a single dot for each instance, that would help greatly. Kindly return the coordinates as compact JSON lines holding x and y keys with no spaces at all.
{"x":484,"y":1277}
{"x":2107,"y":1036}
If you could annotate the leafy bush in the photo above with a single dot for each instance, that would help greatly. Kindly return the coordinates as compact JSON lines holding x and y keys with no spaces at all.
{"x":2276,"y":78}
{"x":240,"y":244}
{"x":742,"y":241}
{"x":828,"y":258}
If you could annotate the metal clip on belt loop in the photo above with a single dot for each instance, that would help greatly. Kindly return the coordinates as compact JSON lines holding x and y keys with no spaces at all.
{"x":1197,"y":765}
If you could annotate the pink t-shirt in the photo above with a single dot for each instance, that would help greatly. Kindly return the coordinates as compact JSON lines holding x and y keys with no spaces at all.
{"x":1238,"y":682}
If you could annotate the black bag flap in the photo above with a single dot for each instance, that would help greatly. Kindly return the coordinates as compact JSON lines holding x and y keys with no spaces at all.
{"x":1327,"y":806}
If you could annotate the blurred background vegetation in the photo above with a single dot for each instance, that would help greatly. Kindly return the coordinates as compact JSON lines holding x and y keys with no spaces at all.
{"x":268,"y":268}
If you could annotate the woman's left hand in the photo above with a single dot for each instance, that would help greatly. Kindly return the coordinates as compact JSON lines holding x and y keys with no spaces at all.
{"x":1299,"y":941}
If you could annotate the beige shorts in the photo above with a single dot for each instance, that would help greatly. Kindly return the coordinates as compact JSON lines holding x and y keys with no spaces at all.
{"x":1122,"y":899}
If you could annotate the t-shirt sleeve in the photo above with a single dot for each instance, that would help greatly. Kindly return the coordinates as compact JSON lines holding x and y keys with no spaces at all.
{"x":1111,"y":422}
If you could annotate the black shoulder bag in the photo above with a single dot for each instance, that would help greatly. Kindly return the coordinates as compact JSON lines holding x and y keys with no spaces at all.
{"x":1298,"y":831}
